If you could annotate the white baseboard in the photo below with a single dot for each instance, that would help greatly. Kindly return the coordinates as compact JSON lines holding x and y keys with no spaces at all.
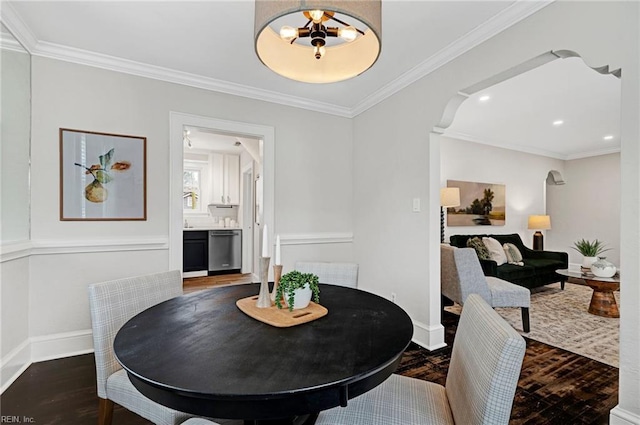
{"x":619,"y":416}
{"x":61,"y":345}
{"x":14,"y":363}
{"x":429,"y":337}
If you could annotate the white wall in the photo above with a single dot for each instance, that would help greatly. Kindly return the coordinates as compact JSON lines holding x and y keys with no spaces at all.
{"x":395,"y":161}
{"x":312,"y":172}
{"x":523,"y":175}
{"x":586,"y":206}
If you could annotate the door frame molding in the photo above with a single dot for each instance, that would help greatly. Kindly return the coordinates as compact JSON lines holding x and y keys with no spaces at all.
{"x":177,"y":121}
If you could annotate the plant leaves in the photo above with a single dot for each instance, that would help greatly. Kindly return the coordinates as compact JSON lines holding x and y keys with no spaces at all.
{"x":105,"y":159}
{"x":103,"y":176}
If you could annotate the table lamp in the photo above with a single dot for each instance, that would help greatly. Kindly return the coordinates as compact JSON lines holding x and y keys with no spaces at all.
{"x":537,"y":223}
{"x":449,"y":197}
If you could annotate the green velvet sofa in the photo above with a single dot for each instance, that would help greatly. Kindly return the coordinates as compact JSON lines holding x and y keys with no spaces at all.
{"x":539,"y":266}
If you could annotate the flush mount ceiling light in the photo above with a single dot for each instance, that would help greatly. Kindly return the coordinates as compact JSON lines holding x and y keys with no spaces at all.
{"x":558,"y":123}
{"x":317,"y":41}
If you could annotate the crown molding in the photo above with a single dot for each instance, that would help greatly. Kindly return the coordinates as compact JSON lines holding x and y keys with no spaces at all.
{"x":533,"y":151}
{"x":112,"y":63}
{"x":588,"y":154}
{"x":504,"y":145}
{"x":500,"y":22}
{"x":18,"y":28}
{"x":505,"y":19}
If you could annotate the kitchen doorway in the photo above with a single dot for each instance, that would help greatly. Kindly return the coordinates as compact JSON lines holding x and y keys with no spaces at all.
{"x":263,"y":215}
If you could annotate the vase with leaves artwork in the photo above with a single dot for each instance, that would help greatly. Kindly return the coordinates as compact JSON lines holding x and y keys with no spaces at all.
{"x":103,"y":176}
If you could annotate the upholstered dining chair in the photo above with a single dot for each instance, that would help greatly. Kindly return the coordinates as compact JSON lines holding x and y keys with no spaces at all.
{"x":461,"y":275}
{"x":112,"y":304}
{"x":342,"y":274}
{"x":481,"y":381}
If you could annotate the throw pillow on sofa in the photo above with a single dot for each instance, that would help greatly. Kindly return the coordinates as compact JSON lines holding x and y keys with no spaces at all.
{"x":495,"y":250}
{"x":480,"y":247}
{"x":514,"y":256}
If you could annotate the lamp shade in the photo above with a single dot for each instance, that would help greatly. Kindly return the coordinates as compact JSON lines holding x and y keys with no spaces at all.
{"x":539,"y":222}
{"x":450,"y":197}
{"x":296,"y":58}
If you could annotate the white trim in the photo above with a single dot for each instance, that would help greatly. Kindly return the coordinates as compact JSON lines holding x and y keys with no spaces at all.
{"x":65,"y":344}
{"x":316,"y":238}
{"x":199,"y":273}
{"x":112,"y":63}
{"x":49,"y":247}
{"x":500,"y":22}
{"x":16,"y":25}
{"x":619,"y":416}
{"x":14,"y":250}
{"x":525,"y":149}
{"x":14,"y":363}
{"x":177,"y":120}
{"x":429,"y":337}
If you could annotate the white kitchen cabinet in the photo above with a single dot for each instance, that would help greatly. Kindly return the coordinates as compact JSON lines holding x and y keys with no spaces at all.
{"x":225,"y":179}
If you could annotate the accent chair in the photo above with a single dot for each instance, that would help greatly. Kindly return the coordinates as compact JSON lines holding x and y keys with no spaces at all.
{"x":461,"y":275}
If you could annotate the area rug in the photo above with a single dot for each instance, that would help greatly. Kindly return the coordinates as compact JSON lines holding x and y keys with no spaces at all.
{"x":560,"y":318}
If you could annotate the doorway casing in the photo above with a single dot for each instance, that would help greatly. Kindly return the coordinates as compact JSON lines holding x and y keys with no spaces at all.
{"x":177,"y":121}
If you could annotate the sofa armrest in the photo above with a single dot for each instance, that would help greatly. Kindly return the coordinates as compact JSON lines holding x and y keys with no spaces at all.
{"x":489,"y":267}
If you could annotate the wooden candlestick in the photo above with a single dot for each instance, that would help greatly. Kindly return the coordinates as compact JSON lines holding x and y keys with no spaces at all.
{"x":277,"y":273}
{"x":264,"y":300}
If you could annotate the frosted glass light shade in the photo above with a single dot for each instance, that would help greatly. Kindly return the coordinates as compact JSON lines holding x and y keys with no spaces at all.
{"x":450,"y":197}
{"x":539,"y":222}
{"x":297,"y":61}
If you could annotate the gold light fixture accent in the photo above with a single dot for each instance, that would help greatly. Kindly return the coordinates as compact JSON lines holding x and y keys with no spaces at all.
{"x":324,"y":41}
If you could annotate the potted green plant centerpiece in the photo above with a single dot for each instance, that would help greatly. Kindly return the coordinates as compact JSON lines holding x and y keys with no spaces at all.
{"x":590,"y":250}
{"x":296,"y":289}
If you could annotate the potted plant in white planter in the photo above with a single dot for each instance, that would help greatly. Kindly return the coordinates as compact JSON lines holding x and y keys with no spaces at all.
{"x":296,"y":290}
{"x":590,"y":251}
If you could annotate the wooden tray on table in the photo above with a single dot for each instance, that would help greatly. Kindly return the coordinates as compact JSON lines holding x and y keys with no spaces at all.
{"x":281,"y":318}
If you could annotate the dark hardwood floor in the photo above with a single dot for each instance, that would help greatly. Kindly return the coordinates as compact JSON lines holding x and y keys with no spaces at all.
{"x":555,"y":387}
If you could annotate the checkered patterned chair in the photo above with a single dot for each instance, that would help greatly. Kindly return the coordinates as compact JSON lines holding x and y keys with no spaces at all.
{"x":112,"y":304}
{"x":342,"y":274}
{"x":461,"y":275}
{"x":481,"y":382}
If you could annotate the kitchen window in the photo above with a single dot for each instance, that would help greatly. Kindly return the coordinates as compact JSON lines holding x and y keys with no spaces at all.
{"x":194,"y":189}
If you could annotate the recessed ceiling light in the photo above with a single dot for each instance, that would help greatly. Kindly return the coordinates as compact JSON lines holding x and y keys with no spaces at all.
{"x":484,"y":98}
{"x":558,"y":123}
{"x":609,"y":137}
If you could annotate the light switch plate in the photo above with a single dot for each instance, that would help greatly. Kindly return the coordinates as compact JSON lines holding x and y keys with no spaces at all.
{"x":416,"y":204}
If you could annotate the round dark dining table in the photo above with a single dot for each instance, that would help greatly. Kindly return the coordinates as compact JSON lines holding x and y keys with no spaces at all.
{"x":198,"y":353}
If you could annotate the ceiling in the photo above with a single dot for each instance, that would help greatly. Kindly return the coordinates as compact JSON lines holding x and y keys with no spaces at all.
{"x":209,"y":44}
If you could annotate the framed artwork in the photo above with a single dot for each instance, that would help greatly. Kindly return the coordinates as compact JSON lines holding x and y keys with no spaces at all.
{"x":102,"y":176}
{"x":481,"y":204}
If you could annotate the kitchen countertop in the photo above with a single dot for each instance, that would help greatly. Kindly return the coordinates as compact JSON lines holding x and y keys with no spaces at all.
{"x":207,"y":228}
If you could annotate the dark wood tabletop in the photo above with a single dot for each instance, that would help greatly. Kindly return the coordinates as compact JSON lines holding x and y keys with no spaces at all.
{"x":200,"y":354}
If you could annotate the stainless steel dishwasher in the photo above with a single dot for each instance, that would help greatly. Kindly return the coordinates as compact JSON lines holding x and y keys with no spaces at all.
{"x":225,"y":250}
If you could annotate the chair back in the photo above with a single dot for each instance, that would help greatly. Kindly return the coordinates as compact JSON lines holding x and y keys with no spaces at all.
{"x":113,"y":303}
{"x":485,"y":366}
{"x":461,"y":274}
{"x":342,"y":274}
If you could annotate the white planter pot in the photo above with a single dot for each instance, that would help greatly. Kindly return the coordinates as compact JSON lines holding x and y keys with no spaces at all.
{"x":301,"y":297}
{"x":588,"y":261}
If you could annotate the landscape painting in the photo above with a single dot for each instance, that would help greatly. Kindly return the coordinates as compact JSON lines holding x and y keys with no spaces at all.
{"x":481,"y":204}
